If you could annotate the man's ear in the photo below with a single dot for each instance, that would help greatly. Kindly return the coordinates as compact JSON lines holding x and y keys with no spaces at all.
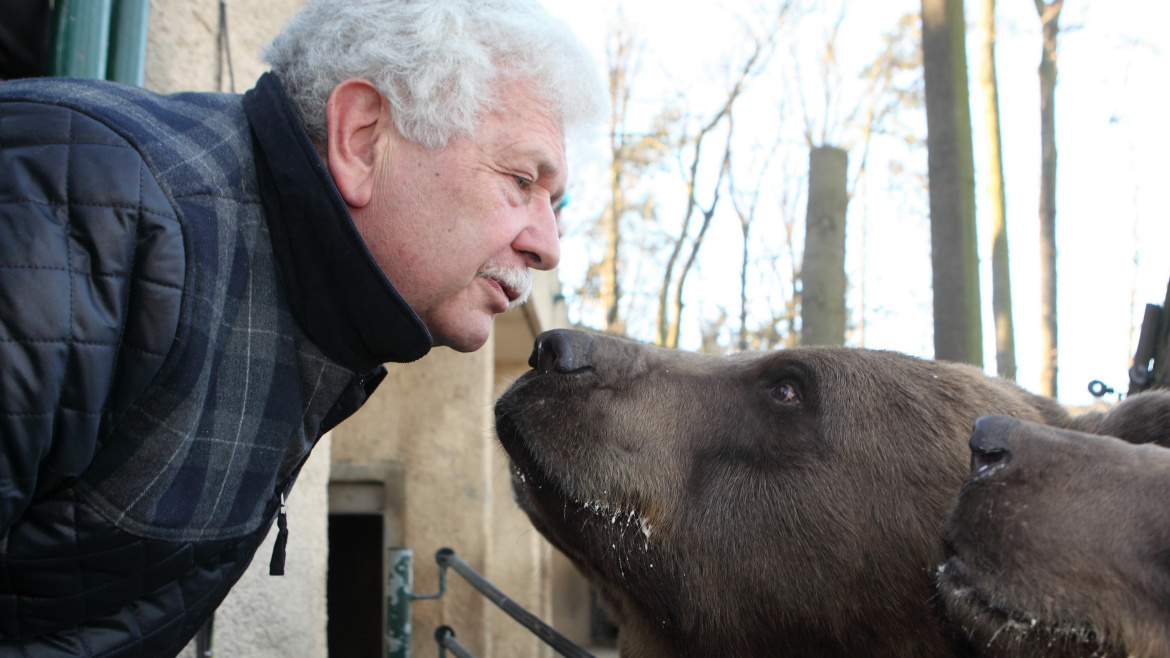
{"x":357,"y":116}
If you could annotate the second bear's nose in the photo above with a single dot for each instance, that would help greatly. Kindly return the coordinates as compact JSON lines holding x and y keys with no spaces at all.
{"x":562,"y":351}
{"x":989,"y":443}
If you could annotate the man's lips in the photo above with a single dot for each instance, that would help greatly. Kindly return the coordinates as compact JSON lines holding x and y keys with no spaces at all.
{"x":509,"y":294}
{"x":514,"y":284}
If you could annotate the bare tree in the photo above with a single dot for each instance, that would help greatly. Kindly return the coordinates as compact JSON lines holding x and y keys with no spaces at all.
{"x":873,"y":113}
{"x":685,"y":247}
{"x":745,"y":203}
{"x":1050,"y":18}
{"x":958,"y":335}
{"x":1001,"y":287}
{"x":631,"y":155}
{"x":780,"y":328}
{"x":823,"y":274}
{"x":893,"y":83}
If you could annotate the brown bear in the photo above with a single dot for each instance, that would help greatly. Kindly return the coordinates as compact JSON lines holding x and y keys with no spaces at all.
{"x":1060,"y":540}
{"x":778,"y":504}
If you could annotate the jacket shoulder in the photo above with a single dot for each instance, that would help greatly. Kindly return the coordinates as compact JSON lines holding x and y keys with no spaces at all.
{"x":91,"y":277}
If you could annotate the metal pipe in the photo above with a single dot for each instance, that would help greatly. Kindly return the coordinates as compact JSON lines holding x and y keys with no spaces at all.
{"x":128,"y":32}
{"x":446,"y":639}
{"x":81,"y":38}
{"x":1140,"y":376}
{"x":447,"y":558}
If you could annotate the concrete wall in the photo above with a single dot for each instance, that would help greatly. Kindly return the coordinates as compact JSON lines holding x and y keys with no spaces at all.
{"x":435,"y":417}
{"x":182,"y":45}
{"x":430,"y":416}
{"x":519,"y":557}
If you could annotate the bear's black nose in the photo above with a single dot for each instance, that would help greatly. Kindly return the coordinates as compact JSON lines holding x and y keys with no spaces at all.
{"x":989,"y":443}
{"x":562,"y":351}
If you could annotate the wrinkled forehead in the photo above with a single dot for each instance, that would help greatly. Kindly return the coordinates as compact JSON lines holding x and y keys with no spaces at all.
{"x":521,"y":125}
{"x":521,"y":109}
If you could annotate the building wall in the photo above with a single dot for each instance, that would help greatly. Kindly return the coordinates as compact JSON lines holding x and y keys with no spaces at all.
{"x":182,"y":45}
{"x":430,"y":416}
{"x":519,"y":559}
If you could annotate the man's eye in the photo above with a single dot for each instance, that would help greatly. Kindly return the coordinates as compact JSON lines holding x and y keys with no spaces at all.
{"x":522,"y":182}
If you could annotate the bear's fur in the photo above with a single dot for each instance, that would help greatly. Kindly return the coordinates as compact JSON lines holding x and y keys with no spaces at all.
{"x":780,"y":504}
{"x":1060,"y":540}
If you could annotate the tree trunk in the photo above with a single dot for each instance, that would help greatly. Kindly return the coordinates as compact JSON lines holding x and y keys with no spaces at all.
{"x":620,"y":57}
{"x":1001,"y":287}
{"x":1049,"y":16}
{"x":745,"y":224}
{"x":611,"y":292}
{"x":675,"y":326}
{"x":823,"y":272}
{"x":670,"y":306}
{"x":958,"y":335}
{"x":1151,"y":359}
{"x":1161,"y":364}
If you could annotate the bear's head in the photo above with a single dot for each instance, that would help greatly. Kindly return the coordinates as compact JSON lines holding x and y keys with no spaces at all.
{"x":753,"y":504}
{"x":1059,"y":542}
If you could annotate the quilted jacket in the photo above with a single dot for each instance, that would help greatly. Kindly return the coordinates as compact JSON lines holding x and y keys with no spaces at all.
{"x":185,"y":308}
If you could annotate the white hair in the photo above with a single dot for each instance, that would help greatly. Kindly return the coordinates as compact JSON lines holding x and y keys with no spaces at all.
{"x":438,"y":62}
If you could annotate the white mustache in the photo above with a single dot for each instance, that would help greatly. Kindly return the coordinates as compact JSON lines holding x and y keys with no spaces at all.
{"x":516,"y":281}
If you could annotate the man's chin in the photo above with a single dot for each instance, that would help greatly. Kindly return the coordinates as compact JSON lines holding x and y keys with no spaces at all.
{"x":466,"y":336}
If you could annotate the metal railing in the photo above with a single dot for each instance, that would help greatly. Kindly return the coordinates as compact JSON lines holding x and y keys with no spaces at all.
{"x":400,"y":597}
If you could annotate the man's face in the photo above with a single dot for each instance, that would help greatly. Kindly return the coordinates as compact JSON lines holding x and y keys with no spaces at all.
{"x":455,"y":230}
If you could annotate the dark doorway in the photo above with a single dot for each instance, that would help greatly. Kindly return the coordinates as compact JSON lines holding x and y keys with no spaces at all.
{"x":354,"y":589}
{"x":24,"y":38}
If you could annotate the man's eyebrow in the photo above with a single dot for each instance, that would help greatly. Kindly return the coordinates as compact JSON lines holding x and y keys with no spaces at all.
{"x":546,"y":168}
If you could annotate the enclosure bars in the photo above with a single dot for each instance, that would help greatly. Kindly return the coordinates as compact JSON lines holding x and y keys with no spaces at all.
{"x":446,"y":639}
{"x":400,"y":595}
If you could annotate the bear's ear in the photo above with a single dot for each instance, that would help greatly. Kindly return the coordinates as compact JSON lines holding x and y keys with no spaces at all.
{"x":1143,"y":418}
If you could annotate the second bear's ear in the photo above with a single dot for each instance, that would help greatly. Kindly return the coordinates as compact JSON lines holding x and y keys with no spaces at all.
{"x":357,"y":117}
{"x":1143,"y":418}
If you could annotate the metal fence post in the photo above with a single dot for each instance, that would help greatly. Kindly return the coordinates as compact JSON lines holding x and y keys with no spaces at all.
{"x":81,"y":38}
{"x":399,"y":595}
{"x":128,"y":30}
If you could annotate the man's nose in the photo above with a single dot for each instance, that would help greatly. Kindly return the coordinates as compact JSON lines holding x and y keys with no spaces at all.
{"x":539,"y":241}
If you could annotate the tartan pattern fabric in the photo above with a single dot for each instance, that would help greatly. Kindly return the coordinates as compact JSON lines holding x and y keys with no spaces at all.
{"x":237,"y":404}
{"x":172,"y":397}
{"x":87,"y":238}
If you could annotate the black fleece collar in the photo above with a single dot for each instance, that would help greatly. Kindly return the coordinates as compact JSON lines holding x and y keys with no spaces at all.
{"x":338,"y":294}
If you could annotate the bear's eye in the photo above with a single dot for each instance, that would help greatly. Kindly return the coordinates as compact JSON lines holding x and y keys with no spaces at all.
{"x":786,"y":393}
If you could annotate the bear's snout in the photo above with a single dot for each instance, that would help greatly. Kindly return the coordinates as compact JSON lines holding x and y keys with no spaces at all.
{"x":990,"y":445}
{"x":562,"y":351}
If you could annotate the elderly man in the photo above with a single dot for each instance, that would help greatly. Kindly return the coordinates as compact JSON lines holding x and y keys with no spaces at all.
{"x":194,"y":288}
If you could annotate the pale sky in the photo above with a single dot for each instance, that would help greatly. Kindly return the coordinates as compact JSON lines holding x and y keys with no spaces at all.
{"x":1112,"y":138}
